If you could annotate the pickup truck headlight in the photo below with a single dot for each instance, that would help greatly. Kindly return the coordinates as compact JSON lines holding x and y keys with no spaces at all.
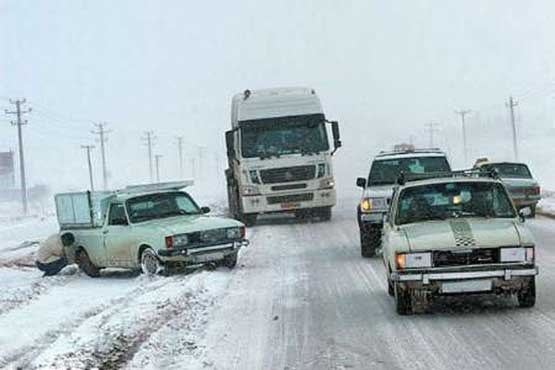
{"x":369,"y":204}
{"x":250,"y":190}
{"x":413,"y":260}
{"x":234,"y":233}
{"x":517,"y":254}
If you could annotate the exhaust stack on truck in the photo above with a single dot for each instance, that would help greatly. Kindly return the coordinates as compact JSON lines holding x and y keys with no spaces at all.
{"x":279,"y":154}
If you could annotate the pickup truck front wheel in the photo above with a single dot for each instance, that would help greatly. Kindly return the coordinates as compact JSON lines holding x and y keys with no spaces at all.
{"x":403,"y":300}
{"x":85,"y":264}
{"x":527,"y":296}
{"x":150,"y":263}
{"x":370,"y":240}
{"x":230,"y":261}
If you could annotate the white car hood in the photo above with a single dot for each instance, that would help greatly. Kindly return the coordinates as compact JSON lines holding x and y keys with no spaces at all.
{"x":384,"y":191}
{"x":465,"y":233}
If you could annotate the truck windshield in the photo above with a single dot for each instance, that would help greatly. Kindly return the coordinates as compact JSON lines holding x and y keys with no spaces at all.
{"x":453,"y":200}
{"x":510,"y":170}
{"x":265,"y":138}
{"x":386,"y":171}
{"x":160,"y":205}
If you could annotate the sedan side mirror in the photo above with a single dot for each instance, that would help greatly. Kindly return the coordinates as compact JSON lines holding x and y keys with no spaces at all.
{"x":204,"y":210}
{"x":525,"y":212}
{"x":361,"y":182}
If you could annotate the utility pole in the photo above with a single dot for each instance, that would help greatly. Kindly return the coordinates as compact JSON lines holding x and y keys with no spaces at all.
{"x":463,"y":113}
{"x":88,"y":148}
{"x":149,"y":138}
{"x":19,"y":123}
{"x":102,"y":139}
{"x":432,"y":127}
{"x":157,"y":158}
{"x":180,"y":153}
{"x":200,"y":161}
{"x":511,"y":105}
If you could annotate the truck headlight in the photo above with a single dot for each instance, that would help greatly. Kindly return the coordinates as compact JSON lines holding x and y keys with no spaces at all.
{"x":413,"y":260}
{"x":234,"y":233}
{"x":250,"y":190}
{"x":180,"y":240}
{"x":253,"y":174}
{"x":327,"y":184}
{"x":321,"y":170}
{"x":369,"y":204}
{"x":513,"y":254}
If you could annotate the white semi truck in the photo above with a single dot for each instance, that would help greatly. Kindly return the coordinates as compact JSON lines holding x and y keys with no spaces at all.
{"x":279,"y":155}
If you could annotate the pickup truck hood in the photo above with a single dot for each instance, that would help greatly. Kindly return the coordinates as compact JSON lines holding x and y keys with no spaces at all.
{"x":188,"y":224}
{"x":464,"y":233}
{"x":382,"y":191}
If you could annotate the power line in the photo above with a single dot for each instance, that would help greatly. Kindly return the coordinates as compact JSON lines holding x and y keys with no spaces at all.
{"x":88,"y":148}
{"x":432,"y":127}
{"x":463,"y":113}
{"x":102,"y":139}
{"x":19,"y":123}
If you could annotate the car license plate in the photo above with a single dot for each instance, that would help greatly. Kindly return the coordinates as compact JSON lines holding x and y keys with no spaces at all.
{"x":371,"y":216}
{"x":209,"y":257}
{"x":290,"y":205}
{"x":466,"y":286}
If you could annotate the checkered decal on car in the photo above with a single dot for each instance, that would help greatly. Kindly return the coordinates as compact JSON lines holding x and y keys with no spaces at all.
{"x":462,"y":233}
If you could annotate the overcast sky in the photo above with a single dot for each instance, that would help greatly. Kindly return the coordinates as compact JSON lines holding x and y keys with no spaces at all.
{"x":384,"y":69}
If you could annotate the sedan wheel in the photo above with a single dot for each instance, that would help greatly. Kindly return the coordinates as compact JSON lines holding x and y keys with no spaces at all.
{"x":150,"y":263}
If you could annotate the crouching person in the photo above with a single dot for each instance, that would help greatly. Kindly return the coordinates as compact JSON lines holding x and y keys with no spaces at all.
{"x":51,"y":257}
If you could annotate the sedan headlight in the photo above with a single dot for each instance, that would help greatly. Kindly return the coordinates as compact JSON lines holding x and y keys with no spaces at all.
{"x":234,"y":233}
{"x":413,"y":260}
{"x":369,"y":204}
{"x":517,"y":254}
{"x":180,"y":240}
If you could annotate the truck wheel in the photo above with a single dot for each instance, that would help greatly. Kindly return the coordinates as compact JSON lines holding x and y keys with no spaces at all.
{"x":248,"y":219}
{"x":85,"y":264}
{"x":370,"y":241}
{"x":150,"y":263}
{"x":403,"y":300}
{"x":533,"y":211}
{"x":324,"y":214}
{"x":230,"y":261}
{"x":527,"y":295}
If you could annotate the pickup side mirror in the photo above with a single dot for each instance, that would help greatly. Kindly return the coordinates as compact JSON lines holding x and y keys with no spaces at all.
{"x":336,"y":137}
{"x":525,"y":213}
{"x":230,"y":144}
{"x":204,"y":210}
{"x":361,"y":182}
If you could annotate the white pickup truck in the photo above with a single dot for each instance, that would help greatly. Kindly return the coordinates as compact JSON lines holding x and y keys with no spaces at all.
{"x":150,"y":227}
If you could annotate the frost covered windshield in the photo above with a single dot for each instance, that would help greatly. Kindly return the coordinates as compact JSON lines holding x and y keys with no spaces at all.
{"x":384,"y":172}
{"x":285,"y":135}
{"x":152,"y":206}
{"x":453,"y":200}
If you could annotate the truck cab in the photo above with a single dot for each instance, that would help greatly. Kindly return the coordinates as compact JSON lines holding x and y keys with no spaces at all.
{"x":279,"y":155}
{"x":377,"y":188}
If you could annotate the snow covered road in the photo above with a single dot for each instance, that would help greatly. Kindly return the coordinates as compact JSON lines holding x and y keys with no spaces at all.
{"x":301,"y":298}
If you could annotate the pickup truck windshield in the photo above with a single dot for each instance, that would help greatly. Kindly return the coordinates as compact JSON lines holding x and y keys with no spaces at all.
{"x":271,"y":137}
{"x":161,"y":205}
{"x":386,"y":171}
{"x":453,"y":200}
{"x":510,"y":170}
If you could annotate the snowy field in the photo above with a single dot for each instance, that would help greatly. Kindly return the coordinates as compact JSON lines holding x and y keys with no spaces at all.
{"x":300,"y":298}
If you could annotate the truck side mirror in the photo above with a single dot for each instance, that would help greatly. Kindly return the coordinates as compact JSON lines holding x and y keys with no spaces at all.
{"x":230,"y":144}
{"x":336,"y":137}
{"x":361,"y":182}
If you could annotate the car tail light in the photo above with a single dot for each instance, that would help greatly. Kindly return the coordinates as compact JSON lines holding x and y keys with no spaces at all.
{"x":169,"y":242}
{"x":534,"y":191}
{"x":243,"y":231}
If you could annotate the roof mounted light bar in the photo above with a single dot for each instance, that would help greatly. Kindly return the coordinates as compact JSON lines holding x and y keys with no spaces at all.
{"x":409,"y":151}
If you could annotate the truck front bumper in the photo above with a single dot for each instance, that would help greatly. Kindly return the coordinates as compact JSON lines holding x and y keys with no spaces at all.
{"x":507,"y":279}
{"x":202,"y":254}
{"x":288,"y":202}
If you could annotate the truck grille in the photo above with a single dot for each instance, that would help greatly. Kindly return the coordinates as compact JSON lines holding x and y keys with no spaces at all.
{"x":288,"y":174}
{"x":462,"y":258}
{"x":288,"y":187}
{"x":294,"y":198}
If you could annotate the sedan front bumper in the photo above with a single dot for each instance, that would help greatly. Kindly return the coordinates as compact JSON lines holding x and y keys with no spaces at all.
{"x":426,"y":278}
{"x":201,"y":254}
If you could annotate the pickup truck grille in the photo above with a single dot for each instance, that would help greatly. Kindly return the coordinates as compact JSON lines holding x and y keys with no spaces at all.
{"x":463,"y":258}
{"x":288,"y":174}
{"x":293,"y":198}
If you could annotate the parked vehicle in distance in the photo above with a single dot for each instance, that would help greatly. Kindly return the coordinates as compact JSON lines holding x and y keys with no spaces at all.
{"x":279,"y":156}
{"x":152,"y":227}
{"x":454,"y":235}
{"x":523,"y":188}
{"x":378,"y":188}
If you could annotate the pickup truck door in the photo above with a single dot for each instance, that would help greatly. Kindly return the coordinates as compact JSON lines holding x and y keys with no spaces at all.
{"x":118,"y":238}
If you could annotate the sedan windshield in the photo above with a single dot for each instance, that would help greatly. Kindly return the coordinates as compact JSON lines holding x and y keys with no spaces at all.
{"x":385,"y":172}
{"x":160,"y":205}
{"x":286,"y":135}
{"x":453,"y":200}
